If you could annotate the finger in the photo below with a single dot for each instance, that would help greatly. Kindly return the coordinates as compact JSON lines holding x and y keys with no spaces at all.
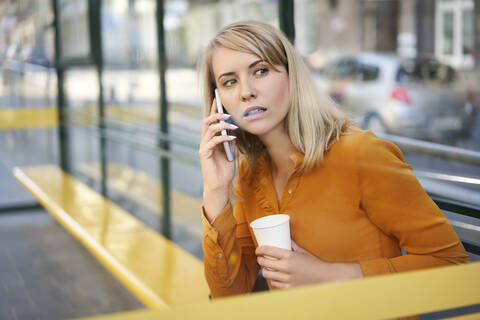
{"x":297,"y":248}
{"x":213,"y":108}
{"x":206,"y":121}
{"x":216,"y":129}
{"x":270,"y":264}
{"x":217,"y":140}
{"x":215,"y":118}
{"x":280,"y":285}
{"x":275,"y":275}
{"x":270,"y":251}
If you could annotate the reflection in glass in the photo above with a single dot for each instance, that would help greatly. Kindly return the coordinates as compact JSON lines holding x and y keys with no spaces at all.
{"x":28,"y":118}
{"x":74,"y":28}
{"x":130,"y":78}
{"x":189,"y":25}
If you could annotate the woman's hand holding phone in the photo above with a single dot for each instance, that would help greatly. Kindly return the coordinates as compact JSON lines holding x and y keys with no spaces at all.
{"x":217,"y":170}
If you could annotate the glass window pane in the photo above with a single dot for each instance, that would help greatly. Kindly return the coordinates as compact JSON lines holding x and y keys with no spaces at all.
{"x":74,"y":34}
{"x":189,"y":26}
{"x":81,"y":90}
{"x":130,"y":79}
{"x":448,"y":40}
{"x":399,"y":68}
{"x":28,"y":118}
{"x":467,"y":32}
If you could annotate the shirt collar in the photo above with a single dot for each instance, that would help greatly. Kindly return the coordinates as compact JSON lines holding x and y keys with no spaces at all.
{"x":297,"y":159}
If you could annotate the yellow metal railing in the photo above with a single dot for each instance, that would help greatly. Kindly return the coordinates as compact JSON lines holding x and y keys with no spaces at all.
{"x":382,"y":297}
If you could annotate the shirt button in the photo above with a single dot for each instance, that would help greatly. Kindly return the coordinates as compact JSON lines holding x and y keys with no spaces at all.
{"x":290,"y":191}
{"x":219,"y":255}
{"x":213,"y":230}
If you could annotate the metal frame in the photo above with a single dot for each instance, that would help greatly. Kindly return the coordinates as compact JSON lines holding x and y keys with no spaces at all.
{"x":95,"y":29}
{"x":286,"y":18}
{"x":63,"y":132}
{"x":10,"y":208}
{"x":163,"y":121}
{"x":434,"y":149}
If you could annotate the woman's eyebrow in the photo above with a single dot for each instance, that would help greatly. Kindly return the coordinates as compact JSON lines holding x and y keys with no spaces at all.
{"x":253,"y":64}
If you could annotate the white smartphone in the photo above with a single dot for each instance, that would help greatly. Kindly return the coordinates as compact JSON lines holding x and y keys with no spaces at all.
{"x":226,"y":144}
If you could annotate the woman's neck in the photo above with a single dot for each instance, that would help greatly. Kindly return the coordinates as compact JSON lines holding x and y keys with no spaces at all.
{"x":279,"y":148}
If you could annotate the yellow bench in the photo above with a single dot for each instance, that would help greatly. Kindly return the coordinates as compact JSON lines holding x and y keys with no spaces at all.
{"x":158,"y":272}
{"x":383,"y":297}
{"x":145,"y":191}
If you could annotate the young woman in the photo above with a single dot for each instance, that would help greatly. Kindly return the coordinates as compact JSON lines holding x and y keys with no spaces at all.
{"x":353,"y":202}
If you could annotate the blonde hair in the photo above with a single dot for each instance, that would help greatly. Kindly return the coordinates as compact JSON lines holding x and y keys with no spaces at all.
{"x":313,"y":121}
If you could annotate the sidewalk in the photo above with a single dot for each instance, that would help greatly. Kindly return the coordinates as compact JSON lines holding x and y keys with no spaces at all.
{"x":46,"y":274}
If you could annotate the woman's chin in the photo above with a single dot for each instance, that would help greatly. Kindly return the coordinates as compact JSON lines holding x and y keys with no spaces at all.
{"x":256,"y":131}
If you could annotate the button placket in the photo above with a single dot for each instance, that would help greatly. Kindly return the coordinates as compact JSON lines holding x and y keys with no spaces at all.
{"x":291,"y":186}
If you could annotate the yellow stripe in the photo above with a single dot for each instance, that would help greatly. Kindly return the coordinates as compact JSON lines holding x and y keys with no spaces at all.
{"x":16,"y":118}
{"x":46,"y":117}
{"x":382,"y":297}
{"x":128,"y":114}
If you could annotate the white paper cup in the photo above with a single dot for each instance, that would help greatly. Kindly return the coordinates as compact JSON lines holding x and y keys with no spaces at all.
{"x":273,"y":230}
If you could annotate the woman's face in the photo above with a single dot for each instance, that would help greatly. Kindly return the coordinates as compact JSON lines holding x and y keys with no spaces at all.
{"x":255,"y":94}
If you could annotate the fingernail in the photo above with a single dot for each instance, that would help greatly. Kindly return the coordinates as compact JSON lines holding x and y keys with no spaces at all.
{"x":226,"y":115}
{"x":232,"y":137}
{"x":233,"y":126}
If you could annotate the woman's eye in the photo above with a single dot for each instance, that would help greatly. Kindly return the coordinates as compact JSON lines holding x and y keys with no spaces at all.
{"x":261,"y":71}
{"x":229,"y":82}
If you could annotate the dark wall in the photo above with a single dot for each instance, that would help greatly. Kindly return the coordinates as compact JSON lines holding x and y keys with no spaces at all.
{"x":425,"y":21}
{"x":387,"y":16}
{"x":382,"y":15}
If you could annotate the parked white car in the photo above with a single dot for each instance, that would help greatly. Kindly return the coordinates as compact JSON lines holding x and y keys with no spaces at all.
{"x":419,"y":98}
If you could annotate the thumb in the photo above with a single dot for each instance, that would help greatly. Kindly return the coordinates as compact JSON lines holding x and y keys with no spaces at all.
{"x":297,"y":248}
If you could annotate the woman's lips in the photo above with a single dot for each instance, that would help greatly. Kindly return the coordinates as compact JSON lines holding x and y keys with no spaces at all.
{"x":254,"y":112}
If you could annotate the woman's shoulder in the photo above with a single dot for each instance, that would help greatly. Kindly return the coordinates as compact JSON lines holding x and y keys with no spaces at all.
{"x":365,"y":145}
{"x":353,"y":139}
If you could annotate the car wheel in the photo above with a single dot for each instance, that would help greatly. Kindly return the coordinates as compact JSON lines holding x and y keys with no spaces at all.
{"x":375,"y":123}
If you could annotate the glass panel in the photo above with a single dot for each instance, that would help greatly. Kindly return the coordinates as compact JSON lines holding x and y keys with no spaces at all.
{"x":75,"y":39}
{"x":130,"y":78}
{"x":28,"y":119}
{"x":416,"y":97}
{"x":189,"y":26}
{"x":131,"y":95}
{"x":448,"y":40}
{"x":81,"y":90}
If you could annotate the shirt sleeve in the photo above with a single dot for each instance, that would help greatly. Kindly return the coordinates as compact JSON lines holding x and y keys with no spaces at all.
{"x":229,"y":252}
{"x":395,"y":201}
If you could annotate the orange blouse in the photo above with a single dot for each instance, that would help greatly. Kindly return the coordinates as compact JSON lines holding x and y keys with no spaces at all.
{"x":361,"y":204}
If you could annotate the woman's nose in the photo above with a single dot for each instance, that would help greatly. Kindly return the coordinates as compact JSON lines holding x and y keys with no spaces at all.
{"x":248,"y":90}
